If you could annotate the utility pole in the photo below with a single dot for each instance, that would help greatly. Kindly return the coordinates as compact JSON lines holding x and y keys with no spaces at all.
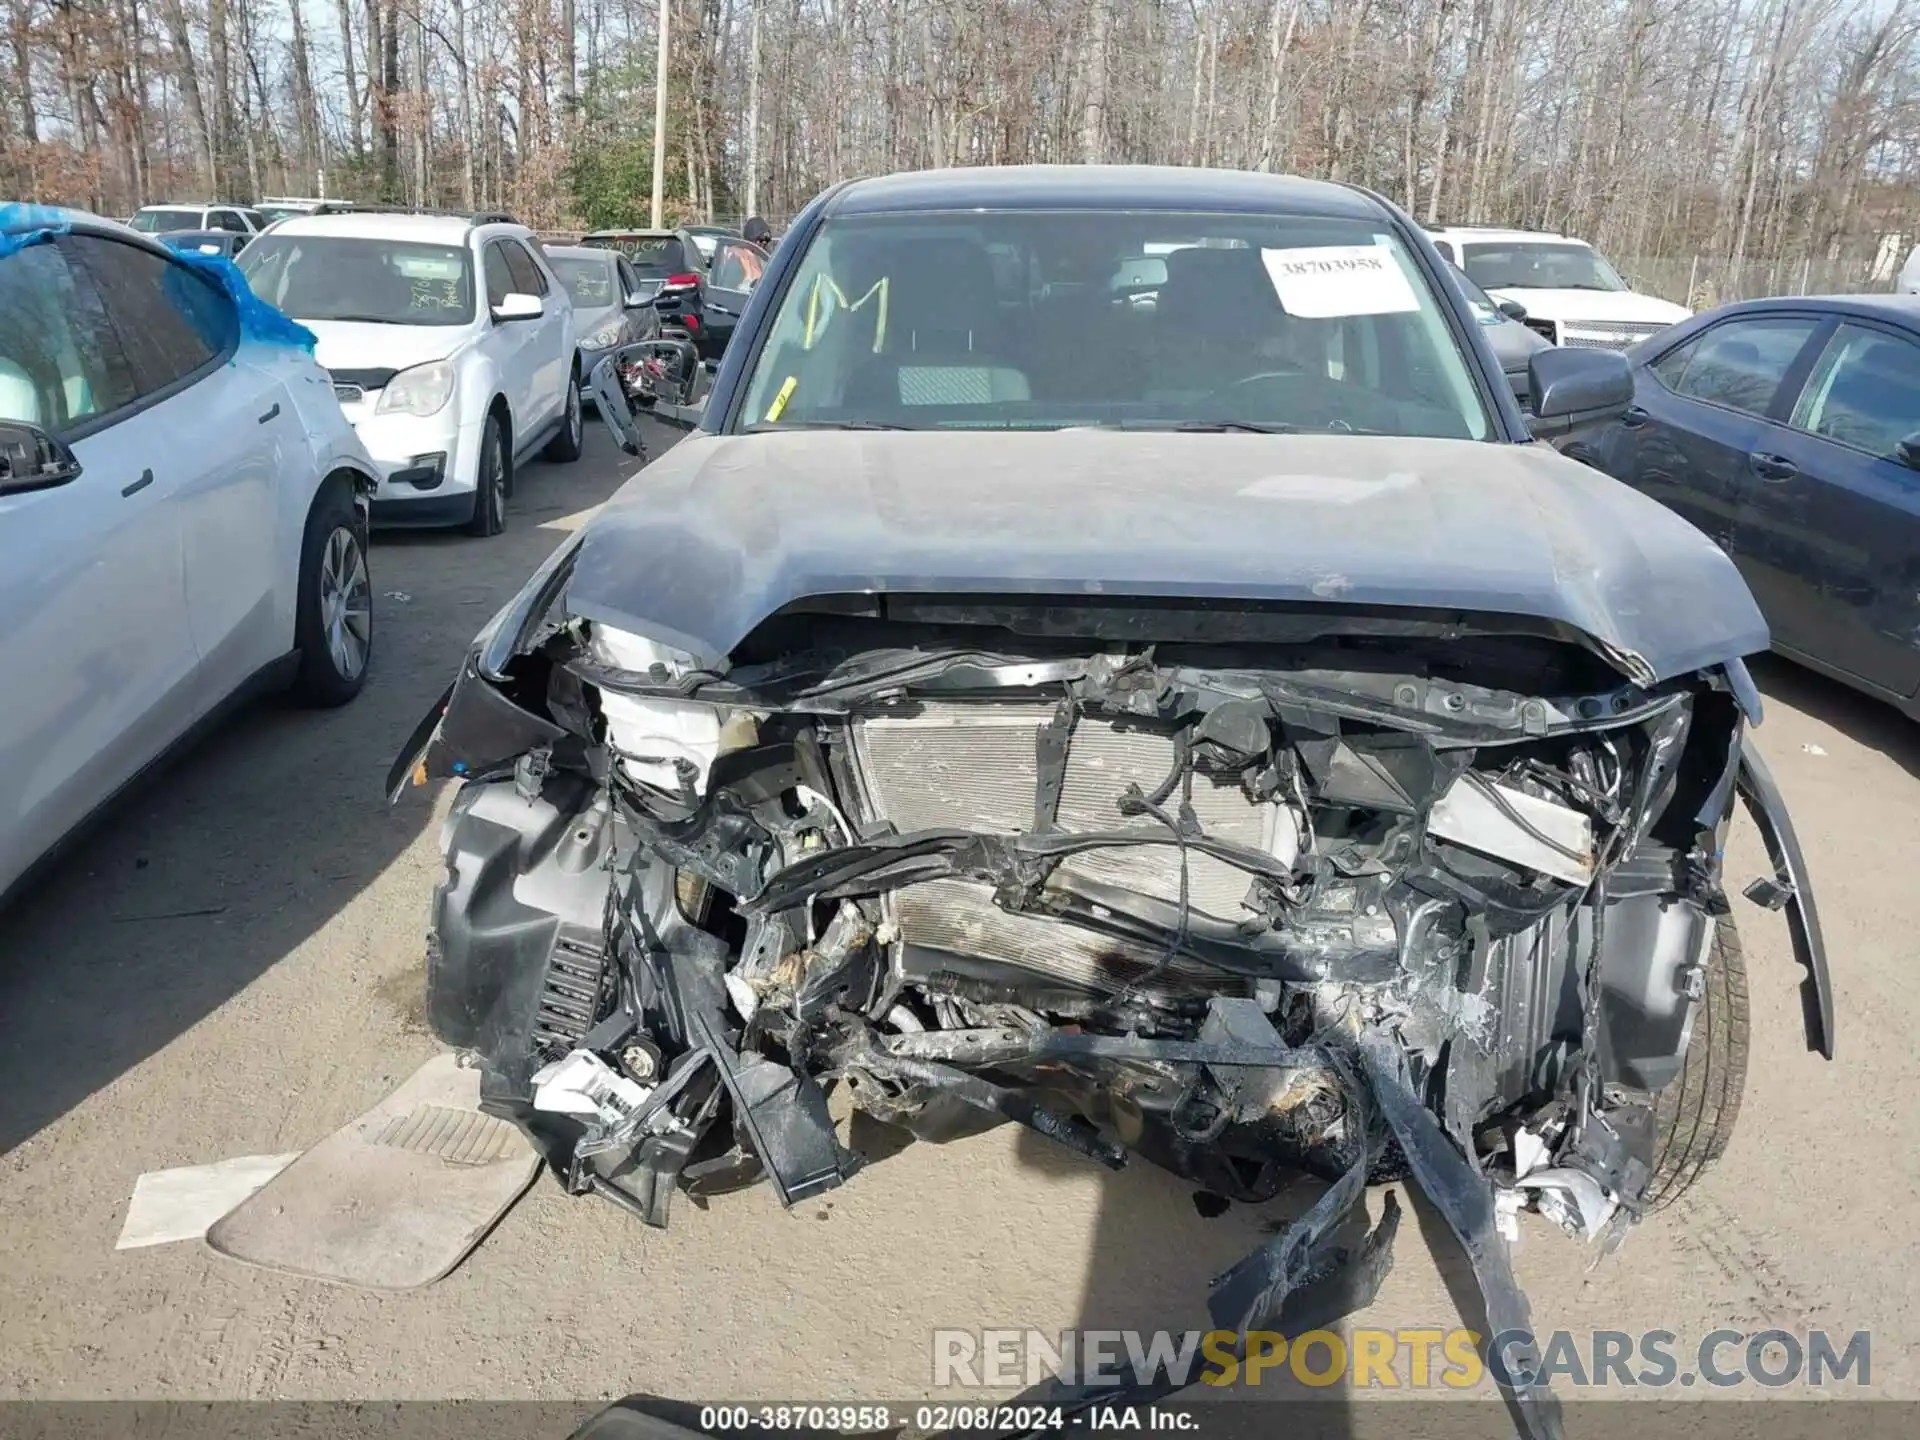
{"x":753,"y":116}
{"x":660,"y":117}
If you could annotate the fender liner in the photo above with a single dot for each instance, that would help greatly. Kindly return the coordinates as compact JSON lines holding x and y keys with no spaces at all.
{"x":1789,"y":889}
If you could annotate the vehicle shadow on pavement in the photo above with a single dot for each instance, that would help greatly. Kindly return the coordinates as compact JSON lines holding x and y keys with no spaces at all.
{"x":1158,"y":1242}
{"x":1861,"y":718}
{"x":263,"y":846}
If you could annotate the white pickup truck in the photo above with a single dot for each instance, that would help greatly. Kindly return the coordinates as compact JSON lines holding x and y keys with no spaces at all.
{"x":1572,"y":296}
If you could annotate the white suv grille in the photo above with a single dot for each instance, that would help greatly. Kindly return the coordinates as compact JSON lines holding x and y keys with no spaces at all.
{"x":1607,"y":334}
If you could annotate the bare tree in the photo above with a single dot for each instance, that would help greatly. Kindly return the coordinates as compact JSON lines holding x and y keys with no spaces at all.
{"x":1733,"y":143}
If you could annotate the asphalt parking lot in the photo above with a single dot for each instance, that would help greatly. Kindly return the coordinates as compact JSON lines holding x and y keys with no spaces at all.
{"x":232,"y":964}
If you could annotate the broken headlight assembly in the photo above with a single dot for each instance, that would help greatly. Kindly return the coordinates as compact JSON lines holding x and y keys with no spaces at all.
{"x":1387,"y":907}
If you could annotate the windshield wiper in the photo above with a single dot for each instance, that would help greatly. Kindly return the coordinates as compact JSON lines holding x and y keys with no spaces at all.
{"x":824,"y":425}
{"x":1214,"y":427}
{"x":361,"y":319}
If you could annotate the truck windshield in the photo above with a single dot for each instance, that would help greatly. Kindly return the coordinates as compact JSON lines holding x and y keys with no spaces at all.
{"x":1050,"y":320}
{"x":1531,"y":265}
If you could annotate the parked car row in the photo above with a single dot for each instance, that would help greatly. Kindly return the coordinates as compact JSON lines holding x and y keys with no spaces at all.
{"x":699,"y":278}
{"x":450,"y":344}
{"x":1106,"y":622}
{"x":186,"y":493}
{"x":451,"y":395}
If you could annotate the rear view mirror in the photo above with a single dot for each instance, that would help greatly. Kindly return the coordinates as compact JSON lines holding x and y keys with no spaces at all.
{"x":31,"y":459}
{"x":518,"y":307}
{"x":1513,"y":309}
{"x":1573,"y":388}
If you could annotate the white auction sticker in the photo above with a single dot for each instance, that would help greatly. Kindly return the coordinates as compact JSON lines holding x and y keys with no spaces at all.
{"x":1325,"y":282}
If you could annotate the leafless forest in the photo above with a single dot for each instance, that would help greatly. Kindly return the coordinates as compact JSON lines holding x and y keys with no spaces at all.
{"x":1716,"y":146}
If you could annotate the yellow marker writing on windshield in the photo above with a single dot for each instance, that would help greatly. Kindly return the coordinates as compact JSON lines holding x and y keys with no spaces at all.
{"x":876,"y":292}
{"x":780,"y":400}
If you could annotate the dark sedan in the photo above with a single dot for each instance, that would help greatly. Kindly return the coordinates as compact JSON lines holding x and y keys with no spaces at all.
{"x":1789,"y":431}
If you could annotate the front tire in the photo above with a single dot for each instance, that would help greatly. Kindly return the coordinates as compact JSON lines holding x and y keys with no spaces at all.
{"x":565,"y":447}
{"x":1694,"y":1120}
{"x":333,"y":622}
{"x":492,"y":481}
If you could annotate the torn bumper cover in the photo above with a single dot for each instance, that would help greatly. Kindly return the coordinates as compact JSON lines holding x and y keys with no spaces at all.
{"x":1246,"y":890}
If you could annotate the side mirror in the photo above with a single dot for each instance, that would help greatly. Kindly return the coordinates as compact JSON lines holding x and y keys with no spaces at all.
{"x":634,"y":300}
{"x":657,"y":377}
{"x":1574,"y":388}
{"x":1512,"y":309}
{"x":664,"y":370}
{"x":31,"y":459}
{"x":1908,"y":452}
{"x":518,"y":307}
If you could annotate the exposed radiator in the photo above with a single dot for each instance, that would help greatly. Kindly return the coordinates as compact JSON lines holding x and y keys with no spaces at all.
{"x":974,"y":766}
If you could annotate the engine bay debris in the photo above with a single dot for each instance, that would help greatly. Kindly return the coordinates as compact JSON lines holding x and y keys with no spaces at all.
{"x":1244,"y":897}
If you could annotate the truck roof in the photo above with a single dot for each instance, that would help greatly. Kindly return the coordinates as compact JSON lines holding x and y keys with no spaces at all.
{"x":1100,"y":187}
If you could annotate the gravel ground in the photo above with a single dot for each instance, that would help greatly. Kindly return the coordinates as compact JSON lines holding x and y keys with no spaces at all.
{"x":231,"y":964}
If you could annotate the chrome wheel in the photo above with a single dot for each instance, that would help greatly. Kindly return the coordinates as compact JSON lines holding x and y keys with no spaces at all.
{"x":346,"y":603}
{"x":497,"y":480}
{"x":573,"y":412}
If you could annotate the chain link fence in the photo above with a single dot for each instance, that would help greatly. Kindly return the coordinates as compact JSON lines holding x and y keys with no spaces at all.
{"x":1701,"y":282}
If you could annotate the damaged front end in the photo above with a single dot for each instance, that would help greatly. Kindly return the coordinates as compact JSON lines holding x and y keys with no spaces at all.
{"x":1250,"y":890}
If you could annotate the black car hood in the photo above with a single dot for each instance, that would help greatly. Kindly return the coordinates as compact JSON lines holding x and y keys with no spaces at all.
{"x":722,"y":531}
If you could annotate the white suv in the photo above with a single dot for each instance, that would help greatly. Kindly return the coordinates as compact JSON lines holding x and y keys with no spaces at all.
{"x":193,"y":215}
{"x":182,"y":516}
{"x":451,"y":346}
{"x":1572,"y":296}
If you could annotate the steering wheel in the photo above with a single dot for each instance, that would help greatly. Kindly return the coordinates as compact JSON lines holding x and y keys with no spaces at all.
{"x":1322,"y":402}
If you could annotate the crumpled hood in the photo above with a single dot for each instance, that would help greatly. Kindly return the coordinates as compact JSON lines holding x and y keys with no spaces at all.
{"x":722,"y":531}
{"x":1595,"y":305}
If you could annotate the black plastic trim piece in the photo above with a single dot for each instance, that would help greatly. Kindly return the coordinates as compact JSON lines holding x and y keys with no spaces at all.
{"x":1761,"y":793}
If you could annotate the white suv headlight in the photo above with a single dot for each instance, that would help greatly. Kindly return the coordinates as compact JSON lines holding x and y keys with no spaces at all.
{"x":423,"y":390}
{"x":603,"y":337}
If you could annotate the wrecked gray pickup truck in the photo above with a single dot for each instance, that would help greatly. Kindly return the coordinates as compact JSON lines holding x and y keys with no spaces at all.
{"x":996,"y":747}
